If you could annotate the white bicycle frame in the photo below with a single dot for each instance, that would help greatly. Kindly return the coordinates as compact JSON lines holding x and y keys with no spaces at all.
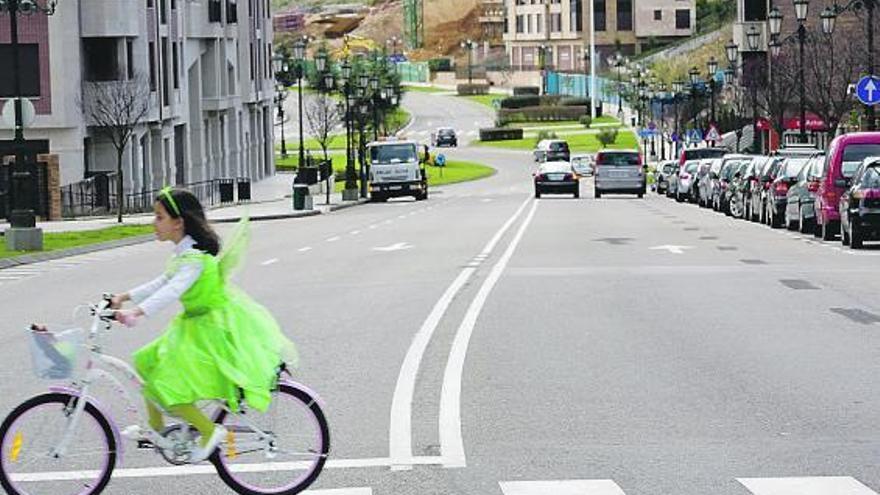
{"x":79,"y":388}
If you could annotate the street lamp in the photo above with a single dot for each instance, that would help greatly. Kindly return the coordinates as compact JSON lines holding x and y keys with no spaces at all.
{"x":23,"y":178}
{"x":468,"y":45}
{"x":801,"y":9}
{"x":618,"y":61}
{"x":363,"y":109}
{"x":394,"y":41}
{"x":350,"y":172}
{"x":299,"y":55}
{"x":280,"y":98}
{"x":753,"y":37}
{"x":544,"y":51}
{"x":712,"y":65}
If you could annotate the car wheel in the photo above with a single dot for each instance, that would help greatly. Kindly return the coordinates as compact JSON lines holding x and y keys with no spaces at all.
{"x":576,"y":194}
{"x":641,"y":195}
{"x":856,"y":238}
{"x":827,"y":233}
{"x":537,"y":194}
{"x":803,"y":226}
{"x":597,"y":194}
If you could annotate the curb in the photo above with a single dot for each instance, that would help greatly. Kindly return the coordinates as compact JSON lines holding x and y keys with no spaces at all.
{"x":350,"y":204}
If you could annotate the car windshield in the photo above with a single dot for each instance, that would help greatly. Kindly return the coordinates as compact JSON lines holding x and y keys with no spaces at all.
{"x":729,"y":169}
{"x":558,"y":146}
{"x":793,"y":167}
{"x":396,"y":153}
{"x":691,"y":167}
{"x":446,"y":132}
{"x":618,"y":159}
{"x":816,"y":166}
{"x":855,"y":154}
{"x":581,"y":160}
{"x":871,"y":178}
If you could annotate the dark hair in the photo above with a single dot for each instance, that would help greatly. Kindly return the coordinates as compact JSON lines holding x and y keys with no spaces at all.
{"x":195,"y":224}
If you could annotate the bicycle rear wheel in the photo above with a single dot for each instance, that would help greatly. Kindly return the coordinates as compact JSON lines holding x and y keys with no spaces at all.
{"x":288,"y":459}
{"x":29,"y":436}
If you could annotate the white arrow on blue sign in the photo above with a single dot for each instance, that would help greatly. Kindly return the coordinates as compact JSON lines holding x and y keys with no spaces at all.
{"x":868,"y":90}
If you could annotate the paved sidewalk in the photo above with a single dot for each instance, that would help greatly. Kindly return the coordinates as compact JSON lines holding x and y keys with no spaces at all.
{"x":271,"y":200}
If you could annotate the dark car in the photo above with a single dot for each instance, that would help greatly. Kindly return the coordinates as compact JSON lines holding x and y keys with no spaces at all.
{"x":736,"y":189}
{"x":800,"y":206}
{"x":720,"y":197}
{"x":552,"y":150}
{"x":777,"y":195}
{"x":663,"y":174}
{"x":556,"y":178}
{"x":445,"y":136}
{"x":758,"y":192}
{"x":860,"y":206}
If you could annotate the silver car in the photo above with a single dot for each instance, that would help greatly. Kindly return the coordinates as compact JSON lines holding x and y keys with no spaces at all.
{"x":582,"y":165}
{"x":687,"y":177}
{"x":619,"y":171}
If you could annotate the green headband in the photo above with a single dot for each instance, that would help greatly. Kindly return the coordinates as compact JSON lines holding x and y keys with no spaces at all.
{"x":166,"y":193}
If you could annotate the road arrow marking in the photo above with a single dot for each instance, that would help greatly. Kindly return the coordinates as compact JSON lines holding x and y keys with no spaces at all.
{"x":270,"y":262}
{"x":561,"y":487}
{"x":400,"y":246}
{"x":672,"y":249}
{"x":820,"y":485}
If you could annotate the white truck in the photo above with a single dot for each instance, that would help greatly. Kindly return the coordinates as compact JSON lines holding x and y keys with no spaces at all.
{"x":397,"y":168}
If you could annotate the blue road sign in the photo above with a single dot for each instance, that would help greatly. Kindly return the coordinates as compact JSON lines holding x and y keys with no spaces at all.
{"x":868,"y":90}
{"x":695,"y":135}
{"x":674,"y":138}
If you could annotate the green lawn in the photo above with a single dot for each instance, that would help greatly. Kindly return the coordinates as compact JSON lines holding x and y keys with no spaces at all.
{"x":485,"y":100}
{"x":54,"y":241}
{"x":586,"y":143}
{"x":606,"y":119}
{"x":425,"y":89}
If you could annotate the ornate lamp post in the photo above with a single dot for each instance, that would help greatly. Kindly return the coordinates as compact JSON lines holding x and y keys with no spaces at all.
{"x":280,"y":98}
{"x":694,"y":75}
{"x":362,"y":113}
{"x":677,"y":95}
{"x":350,"y":171}
{"x":618,"y":61}
{"x":376,"y":99}
{"x":469,"y":46}
{"x":544,"y":51}
{"x":299,"y":55}
{"x":801,"y":9}
{"x":712,"y":65}
{"x":22,"y":215}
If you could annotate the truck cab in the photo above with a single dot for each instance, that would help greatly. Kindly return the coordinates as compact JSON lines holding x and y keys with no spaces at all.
{"x":397,"y":168}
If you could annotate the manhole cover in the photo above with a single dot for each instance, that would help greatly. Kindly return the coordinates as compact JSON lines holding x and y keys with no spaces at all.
{"x":753,"y":262}
{"x":798,"y":284}
{"x":708,"y":238}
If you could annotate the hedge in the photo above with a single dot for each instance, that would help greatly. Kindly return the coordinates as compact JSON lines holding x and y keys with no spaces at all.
{"x":500,"y":134}
{"x":440,"y":65}
{"x":526,"y":90}
{"x":523,"y":101}
{"x":540,"y":114}
{"x":570,"y":101}
{"x":472,"y":89}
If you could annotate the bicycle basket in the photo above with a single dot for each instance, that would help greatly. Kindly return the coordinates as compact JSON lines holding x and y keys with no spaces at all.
{"x":54,"y":354}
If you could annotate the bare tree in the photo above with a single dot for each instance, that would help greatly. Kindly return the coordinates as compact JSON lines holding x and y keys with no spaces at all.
{"x":323,"y":116}
{"x":114,"y":109}
{"x":832,"y":65}
{"x":777,"y":94}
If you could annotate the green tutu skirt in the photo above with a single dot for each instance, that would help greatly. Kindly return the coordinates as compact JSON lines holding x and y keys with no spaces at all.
{"x":225,"y":352}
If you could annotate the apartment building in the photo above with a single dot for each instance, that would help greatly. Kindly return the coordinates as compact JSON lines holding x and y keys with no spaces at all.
{"x":559,"y":29}
{"x":211,"y":87}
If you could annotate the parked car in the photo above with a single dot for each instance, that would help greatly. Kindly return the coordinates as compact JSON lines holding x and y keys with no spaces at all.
{"x":662,"y":175}
{"x":860,"y":206}
{"x":845,"y":154}
{"x":720,"y":197}
{"x":689,"y":154}
{"x":735,"y":190}
{"x":702,"y":176}
{"x":444,"y":136}
{"x":707,"y":184}
{"x":552,"y":150}
{"x":802,"y":196}
{"x":796,"y":150}
{"x":582,"y":165}
{"x":749,"y":179}
{"x":619,"y":171}
{"x":556,"y":178}
{"x":758,"y":192}
{"x":777,"y":195}
{"x":686,"y":178}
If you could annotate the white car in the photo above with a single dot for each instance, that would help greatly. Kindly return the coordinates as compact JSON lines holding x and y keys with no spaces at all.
{"x":582,"y":165}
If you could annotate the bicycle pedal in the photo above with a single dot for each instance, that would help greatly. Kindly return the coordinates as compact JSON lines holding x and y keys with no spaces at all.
{"x":145,"y":445}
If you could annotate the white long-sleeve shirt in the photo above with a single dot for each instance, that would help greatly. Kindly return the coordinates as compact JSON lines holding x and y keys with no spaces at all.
{"x":154,"y":296}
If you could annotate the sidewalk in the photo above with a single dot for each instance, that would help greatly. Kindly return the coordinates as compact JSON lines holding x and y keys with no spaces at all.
{"x":271,"y":200}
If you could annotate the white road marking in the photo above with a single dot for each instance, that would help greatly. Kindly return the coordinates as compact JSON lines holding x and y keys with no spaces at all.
{"x":270,"y":262}
{"x":672,"y":249}
{"x":561,"y":487}
{"x":451,"y":441}
{"x":400,"y":246}
{"x":825,"y":485}
{"x":303,"y":250}
{"x":355,"y":232}
{"x":400,"y":435}
{"x":333,"y":239}
{"x":372,"y":227}
{"x":401,"y":216}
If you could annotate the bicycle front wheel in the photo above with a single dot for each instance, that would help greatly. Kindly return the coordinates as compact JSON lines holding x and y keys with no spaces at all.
{"x":31,"y":462}
{"x":279,"y":452}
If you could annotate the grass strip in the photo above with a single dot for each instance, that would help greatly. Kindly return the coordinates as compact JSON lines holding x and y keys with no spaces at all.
{"x":55,"y":241}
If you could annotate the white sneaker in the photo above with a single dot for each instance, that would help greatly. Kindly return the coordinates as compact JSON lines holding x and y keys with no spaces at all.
{"x":199,"y":454}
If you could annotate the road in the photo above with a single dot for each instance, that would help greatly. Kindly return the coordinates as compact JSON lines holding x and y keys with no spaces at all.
{"x":484,"y":342}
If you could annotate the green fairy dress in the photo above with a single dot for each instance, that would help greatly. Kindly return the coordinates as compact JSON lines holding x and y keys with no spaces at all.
{"x":222,"y":344}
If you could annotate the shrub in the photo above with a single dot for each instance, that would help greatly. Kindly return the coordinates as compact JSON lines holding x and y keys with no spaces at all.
{"x":526,"y":90}
{"x":569,"y":101}
{"x":440,"y":65}
{"x":472,"y":89}
{"x":500,"y":134}
{"x":607,"y":136}
{"x":586,"y":121}
{"x":521,"y":101}
{"x":545,"y":134}
{"x":540,"y":114}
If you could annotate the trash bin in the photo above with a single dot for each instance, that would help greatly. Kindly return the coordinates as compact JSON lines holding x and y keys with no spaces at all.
{"x":227,"y":190}
{"x":300,"y":192}
{"x":244,"y":189}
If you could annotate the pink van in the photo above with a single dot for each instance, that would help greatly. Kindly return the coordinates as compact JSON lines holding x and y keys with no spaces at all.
{"x":844,"y":156}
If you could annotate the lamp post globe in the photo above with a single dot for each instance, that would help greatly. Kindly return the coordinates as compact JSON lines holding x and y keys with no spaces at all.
{"x":694,"y":75}
{"x":712,"y":65}
{"x":321,"y":61}
{"x":801,"y":10}
{"x":829,"y":18}
{"x":729,"y":76}
{"x":731,"y":50}
{"x":775,"y":18}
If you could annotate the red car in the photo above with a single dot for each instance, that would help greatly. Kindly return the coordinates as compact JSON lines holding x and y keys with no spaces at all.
{"x":845,"y":154}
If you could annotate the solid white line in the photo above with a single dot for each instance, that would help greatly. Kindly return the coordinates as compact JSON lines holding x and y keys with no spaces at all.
{"x":400,"y":434}
{"x":355,"y":232}
{"x":451,"y":441}
{"x":270,"y":262}
{"x":561,"y":487}
{"x":333,"y":239}
{"x":166,"y":471}
{"x":824,"y":485}
{"x":374,"y":226}
{"x":303,"y":250}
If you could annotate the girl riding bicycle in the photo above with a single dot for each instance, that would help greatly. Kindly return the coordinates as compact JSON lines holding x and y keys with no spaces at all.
{"x":222,"y":346}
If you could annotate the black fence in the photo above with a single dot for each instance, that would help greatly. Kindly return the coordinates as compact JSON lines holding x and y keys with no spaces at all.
{"x":97,"y":195}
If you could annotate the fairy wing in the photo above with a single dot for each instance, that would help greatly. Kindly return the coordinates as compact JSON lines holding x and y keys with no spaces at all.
{"x":234,"y":248}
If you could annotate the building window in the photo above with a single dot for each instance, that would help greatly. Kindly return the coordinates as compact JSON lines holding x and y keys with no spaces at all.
{"x":149,"y":4}
{"x":173,"y":4}
{"x":529,"y":27}
{"x":755,"y":10}
{"x":129,"y":58}
{"x":539,"y":25}
{"x":101,"y":59}
{"x":152,"y":54}
{"x":520,"y":24}
{"x":577,"y":16}
{"x":555,"y":23}
{"x":215,"y":11}
{"x":682,"y":19}
{"x":231,"y":11}
{"x":599,"y":23}
{"x":658,"y":15}
{"x":624,"y":15}
{"x":166,"y":90}
{"x":175,"y":60}
{"x":30,"y":70}
{"x":163,"y":11}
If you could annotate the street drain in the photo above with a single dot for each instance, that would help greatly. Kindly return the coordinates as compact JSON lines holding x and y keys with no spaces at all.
{"x":691,"y":229}
{"x":798,"y":284}
{"x":727,"y":248}
{"x":753,"y":262}
{"x":857,"y":315}
{"x":708,"y":238}
{"x":615,"y":241}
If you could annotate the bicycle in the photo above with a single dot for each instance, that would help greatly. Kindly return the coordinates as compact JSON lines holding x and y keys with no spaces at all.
{"x":47,"y":431}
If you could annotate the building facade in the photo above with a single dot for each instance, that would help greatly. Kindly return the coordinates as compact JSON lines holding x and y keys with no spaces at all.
{"x":553,"y":33}
{"x":211,"y":87}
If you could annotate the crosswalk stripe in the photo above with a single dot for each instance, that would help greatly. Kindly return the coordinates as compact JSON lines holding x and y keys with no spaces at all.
{"x":341,"y":491}
{"x":824,"y":485}
{"x":561,"y":487}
